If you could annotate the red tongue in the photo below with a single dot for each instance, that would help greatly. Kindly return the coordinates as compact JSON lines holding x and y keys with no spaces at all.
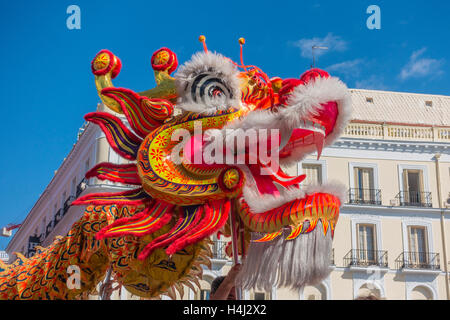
{"x":265,"y":183}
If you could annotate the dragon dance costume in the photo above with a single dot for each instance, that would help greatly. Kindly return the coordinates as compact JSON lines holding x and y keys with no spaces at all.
{"x":156,"y":236}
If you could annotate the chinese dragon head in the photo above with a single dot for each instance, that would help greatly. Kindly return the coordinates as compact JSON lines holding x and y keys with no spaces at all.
{"x":173,"y":135}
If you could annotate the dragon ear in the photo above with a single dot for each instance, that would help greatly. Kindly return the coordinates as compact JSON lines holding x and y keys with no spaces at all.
{"x":207,"y":83}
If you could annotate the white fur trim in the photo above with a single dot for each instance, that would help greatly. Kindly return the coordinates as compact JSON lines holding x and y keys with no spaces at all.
{"x":208,"y":62}
{"x":261,"y":203}
{"x":316,"y":92}
{"x":332,"y":187}
{"x":304,"y":101}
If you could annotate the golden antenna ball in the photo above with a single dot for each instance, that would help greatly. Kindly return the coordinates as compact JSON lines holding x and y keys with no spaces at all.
{"x":241,"y":41}
{"x":201,"y":38}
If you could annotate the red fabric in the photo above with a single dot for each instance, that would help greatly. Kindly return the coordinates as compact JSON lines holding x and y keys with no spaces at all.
{"x":123,"y":173}
{"x":138,"y":116}
{"x":312,"y":74}
{"x":101,"y":119}
{"x":287,"y":87}
{"x":166,"y":238}
{"x":149,"y":211}
{"x":129,"y":197}
{"x":211,"y":210}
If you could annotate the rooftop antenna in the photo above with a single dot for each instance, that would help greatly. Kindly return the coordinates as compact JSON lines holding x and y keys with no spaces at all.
{"x":314,"y":58}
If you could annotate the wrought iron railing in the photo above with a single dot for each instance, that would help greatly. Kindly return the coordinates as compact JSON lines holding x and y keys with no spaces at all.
{"x":58,"y":217}
{"x":81,"y":186}
{"x":67,"y":204}
{"x":218,"y":249}
{"x":364,"y":196}
{"x":49,"y":228}
{"x":366,"y":258}
{"x":414,"y":199}
{"x":418,"y":260}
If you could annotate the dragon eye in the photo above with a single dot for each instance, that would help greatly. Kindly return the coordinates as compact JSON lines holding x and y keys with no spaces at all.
{"x":208,"y":83}
{"x":208,"y":89}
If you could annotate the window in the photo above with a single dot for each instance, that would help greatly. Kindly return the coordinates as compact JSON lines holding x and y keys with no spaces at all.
{"x":366,"y":243}
{"x":364,"y":191}
{"x":313,"y":173}
{"x":429,"y":103}
{"x":413,"y":186}
{"x":204,"y":294}
{"x":369,"y":99}
{"x":418,"y":245}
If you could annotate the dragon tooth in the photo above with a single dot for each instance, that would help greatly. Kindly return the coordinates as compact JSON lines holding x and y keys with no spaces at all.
{"x":319,"y":140}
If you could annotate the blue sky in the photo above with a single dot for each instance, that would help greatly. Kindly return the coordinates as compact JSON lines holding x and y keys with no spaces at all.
{"x":46,"y":85}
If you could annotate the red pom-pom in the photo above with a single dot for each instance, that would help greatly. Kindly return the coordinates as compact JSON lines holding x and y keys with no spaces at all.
{"x":116,"y":70}
{"x":164,"y":60}
{"x":104,"y":62}
{"x":312,"y":74}
{"x":287,"y":87}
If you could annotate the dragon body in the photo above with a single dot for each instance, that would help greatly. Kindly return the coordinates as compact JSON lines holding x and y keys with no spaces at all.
{"x":155,"y":237}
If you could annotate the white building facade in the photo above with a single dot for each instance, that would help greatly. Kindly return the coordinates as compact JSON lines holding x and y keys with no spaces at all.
{"x":392,"y":238}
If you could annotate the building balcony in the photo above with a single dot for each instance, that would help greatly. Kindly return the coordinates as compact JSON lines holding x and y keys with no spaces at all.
{"x":58,"y":217}
{"x":364,"y":196}
{"x":67,"y":204}
{"x":414,"y":199}
{"x":380,"y":131}
{"x":81,"y":187}
{"x":218,"y":250}
{"x":49,"y":228}
{"x":427,"y":261}
{"x":366,"y":258}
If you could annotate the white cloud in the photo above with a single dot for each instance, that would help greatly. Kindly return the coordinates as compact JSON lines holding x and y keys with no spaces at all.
{"x":334,"y":43}
{"x":372,"y":83}
{"x":347,"y":68}
{"x":421,"y":67}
